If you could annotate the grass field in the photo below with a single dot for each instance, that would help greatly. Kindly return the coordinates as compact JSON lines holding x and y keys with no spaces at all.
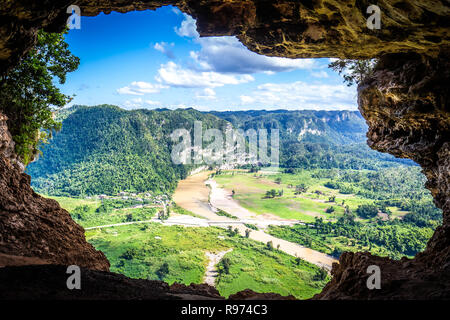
{"x":86,"y":212}
{"x":139,"y":251}
{"x":71,"y":203}
{"x":250,"y":190}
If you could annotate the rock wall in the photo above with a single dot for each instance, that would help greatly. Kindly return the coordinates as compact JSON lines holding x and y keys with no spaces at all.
{"x":405,"y":102}
{"x":406,"y":105}
{"x":33,"y":228}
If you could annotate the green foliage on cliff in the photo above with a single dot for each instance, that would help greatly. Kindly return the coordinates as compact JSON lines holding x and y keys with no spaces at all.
{"x":354,"y":71}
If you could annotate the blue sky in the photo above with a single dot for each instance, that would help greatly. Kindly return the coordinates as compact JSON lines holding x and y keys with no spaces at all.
{"x":155,"y":59}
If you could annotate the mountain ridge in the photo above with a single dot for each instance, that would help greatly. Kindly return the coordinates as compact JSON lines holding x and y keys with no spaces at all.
{"x":105,"y":149}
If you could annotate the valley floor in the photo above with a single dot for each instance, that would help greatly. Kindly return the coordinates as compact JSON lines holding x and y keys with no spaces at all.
{"x":193,"y":194}
{"x":239,"y":230}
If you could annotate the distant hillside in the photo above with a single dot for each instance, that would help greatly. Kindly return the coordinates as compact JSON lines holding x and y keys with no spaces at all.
{"x":317,"y":139}
{"x":105,"y":149}
{"x":331,"y":127}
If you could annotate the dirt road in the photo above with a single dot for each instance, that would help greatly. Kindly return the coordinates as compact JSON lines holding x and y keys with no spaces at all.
{"x":211,"y":269}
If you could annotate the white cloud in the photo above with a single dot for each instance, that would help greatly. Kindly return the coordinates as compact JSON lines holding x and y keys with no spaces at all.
{"x":319,"y":74}
{"x":173,"y":75}
{"x":139,"y":103}
{"x":176,"y":11}
{"x":152,"y":103}
{"x":301,"y":95}
{"x":229,"y":55}
{"x":163,"y":47}
{"x":188,"y":27}
{"x":207,"y":94}
{"x":133,"y":103}
{"x":159,"y":47}
{"x":139,"y":88}
{"x":247,"y":100}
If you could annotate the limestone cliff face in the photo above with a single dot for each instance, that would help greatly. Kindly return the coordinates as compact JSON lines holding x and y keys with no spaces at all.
{"x":34,"y":228}
{"x":405,"y":103}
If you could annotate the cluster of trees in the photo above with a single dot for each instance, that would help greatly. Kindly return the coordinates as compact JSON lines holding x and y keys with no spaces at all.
{"x":405,"y":182}
{"x":319,"y":155}
{"x":81,"y":212}
{"x":367,"y":211}
{"x":232,"y":232}
{"x":395,"y":238}
{"x":343,"y":188}
{"x":273,"y":193}
{"x":224,"y":266}
{"x":223,"y":213}
{"x":300,"y":188}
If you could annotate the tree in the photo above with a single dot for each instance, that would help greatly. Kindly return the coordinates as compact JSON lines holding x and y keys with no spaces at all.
{"x":300,"y":188}
{"x":278,"y":180}
{"x":271,"y":194}
{"x":321,"y":274}
{"x":367,"y":211}
{"x":353,"y":71}
{"x":28,"y":95}
{"x":232,"y":232}
{"x":225,"y":264}
{"x":163,"y":271}
{"x":336,"y":252}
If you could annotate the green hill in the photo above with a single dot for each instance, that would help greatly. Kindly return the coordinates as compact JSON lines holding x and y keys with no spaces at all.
{"x":106,"y":150}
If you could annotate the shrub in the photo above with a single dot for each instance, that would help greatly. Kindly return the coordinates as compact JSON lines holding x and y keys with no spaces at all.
{"x":163,"y":271}
{"x":367,"y":211}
